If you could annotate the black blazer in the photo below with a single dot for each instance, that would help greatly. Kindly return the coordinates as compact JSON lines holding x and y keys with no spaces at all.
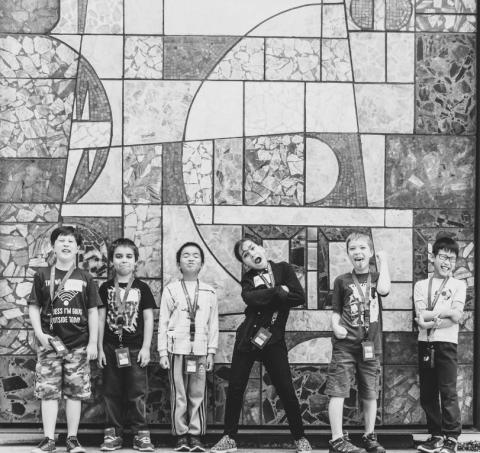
{"x":262,"y":302}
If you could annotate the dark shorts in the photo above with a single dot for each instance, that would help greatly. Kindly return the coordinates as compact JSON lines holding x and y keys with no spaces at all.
{"x":345,"y":364}
{"x":69,"y":375}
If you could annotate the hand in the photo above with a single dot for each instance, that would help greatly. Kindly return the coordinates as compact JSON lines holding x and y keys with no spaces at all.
{"x":44,"y":340}
{"x":437,"y":322}
{"x":91,"y":351}
{"x":285,"y":288}
{"x":164,"y":362}
{"x":422,"y":323}
{"x":210,"y":361}
{"x":144,"y":357}
{"x":381,"y":258}
{"x":101,"y":358}
{"x":339,"y":331}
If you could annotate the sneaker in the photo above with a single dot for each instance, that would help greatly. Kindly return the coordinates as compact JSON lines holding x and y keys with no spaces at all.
{"x":73,"y":445}
{"x":371,"y":444}
{"x":111,"y":441}
{"x":196,"y":444}
{"x":432,"y":445}
{"x":45,"y":445}
{"x":182,"y":444}
{"x":225,"y":445}
{"x":344,"y":445}
{"x":142,"y":442}
{"x":303,"y":445}
{"x":449,"y":446}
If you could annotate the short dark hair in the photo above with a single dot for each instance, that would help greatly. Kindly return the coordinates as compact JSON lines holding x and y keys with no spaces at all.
{"x":238,"y":245}
{"x":446,"y":243}
{"x":190,"y":244}
{"x":122,"y":242}
{"x":66,"y":230}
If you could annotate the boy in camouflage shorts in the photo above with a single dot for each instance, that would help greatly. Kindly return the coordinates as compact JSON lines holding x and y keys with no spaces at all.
{"x":63,"y":312}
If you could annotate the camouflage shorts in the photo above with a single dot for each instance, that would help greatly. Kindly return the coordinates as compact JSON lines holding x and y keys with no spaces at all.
{"x":69,"y":375}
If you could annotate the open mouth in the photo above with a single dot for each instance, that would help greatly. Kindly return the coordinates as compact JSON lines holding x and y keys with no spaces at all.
{"x":257,"y":260}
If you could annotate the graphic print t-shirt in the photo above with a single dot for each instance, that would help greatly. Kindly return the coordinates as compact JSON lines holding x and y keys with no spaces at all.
{"x":69,"y":311}
{"x":139,"y":298}
{"x":348,"y":303}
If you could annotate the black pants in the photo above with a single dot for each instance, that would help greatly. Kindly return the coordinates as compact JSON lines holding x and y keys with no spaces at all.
{"x":275,"y":359}
{"x":438,"y":390}
{"x":124,"y":392}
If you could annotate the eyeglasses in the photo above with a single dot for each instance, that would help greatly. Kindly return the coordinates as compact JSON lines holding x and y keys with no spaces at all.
{"x":450,"y":259}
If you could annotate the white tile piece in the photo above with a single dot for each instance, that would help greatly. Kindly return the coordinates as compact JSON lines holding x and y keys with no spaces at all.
{"x":105,"y":54}
{"x":373,"y":154}
{"x":397,"y":243}
{"x":91,"y":210}
{"x":401,"y":57}
{"x":400,"y":297}
{"x":144,"y":17}
{"x":368,"y":56}
{"x":399,"y":218}
{"x":202,"y":214}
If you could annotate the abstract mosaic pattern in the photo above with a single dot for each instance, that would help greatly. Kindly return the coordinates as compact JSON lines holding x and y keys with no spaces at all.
{"x":289,"y":122}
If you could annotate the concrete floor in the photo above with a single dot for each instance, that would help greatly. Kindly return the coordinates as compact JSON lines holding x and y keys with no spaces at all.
{"x":27,"y":449}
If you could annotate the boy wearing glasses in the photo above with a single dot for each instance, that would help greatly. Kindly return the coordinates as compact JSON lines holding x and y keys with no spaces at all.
{"x":439,"y":302}
{"x":125,"y":336}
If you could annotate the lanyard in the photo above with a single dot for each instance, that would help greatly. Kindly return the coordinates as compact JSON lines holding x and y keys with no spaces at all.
{"x":270,"y":284}
{"x":192,"y":309}
{"x":53,"y":293}
{"x":431,"y":305}
{"x":365,"y":299}
{"x":121,"y":305}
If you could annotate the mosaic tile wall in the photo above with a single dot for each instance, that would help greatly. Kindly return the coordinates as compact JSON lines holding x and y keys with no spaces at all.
{"x":289,"y":121}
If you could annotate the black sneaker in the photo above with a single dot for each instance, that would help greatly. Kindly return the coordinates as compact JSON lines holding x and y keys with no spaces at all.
{"x":142,"y":442}
{"x":46,"y":445}
{"x":182,"y":444}
{"x":196,"y":444}
{"x":449,"y":446}
{"x":73,"y":445}
{"x":432,"y":445}
{"x":371,"y":444}
{"x":343,"y":445}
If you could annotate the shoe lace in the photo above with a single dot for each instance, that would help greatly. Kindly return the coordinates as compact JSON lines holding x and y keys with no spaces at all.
{"x":450,"y":443}
{"x":45,"y":441}
{"x":73,"y":441}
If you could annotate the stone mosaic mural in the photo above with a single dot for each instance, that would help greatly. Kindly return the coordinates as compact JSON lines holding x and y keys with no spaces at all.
{"x":291,"y":121}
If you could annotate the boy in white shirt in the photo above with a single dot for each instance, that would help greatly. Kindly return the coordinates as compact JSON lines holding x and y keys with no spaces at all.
{"x":439,"y":302}
{"x":187,"y":343}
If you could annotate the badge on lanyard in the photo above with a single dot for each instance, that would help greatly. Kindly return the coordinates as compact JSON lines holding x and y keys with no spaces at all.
{"x":123,"y":357}
{"x":58,"y":346}
{"x":368,"y":351}
{"x":54,"y":294}
{"x":191,"y":364}
{"x":260,"y":339}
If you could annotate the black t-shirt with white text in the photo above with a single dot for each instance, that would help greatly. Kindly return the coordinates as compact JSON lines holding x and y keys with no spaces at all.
{"x":69,"y":311}
{"x":139,"y":298}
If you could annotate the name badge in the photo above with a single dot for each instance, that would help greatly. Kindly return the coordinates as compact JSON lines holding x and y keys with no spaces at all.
{"x":58,"y":346}
{"x":368,"y":349}
{"x":257,"y":281}
{"x":73,"y":285}
{"x":260,"y":339}
{"x":123,"y":357}
{"x":190,"y":364}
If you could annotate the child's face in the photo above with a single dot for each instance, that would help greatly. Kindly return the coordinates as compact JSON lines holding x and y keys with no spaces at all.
{"x":65,"y":248}
{"x":359,"y":253}
{"x":190,"y":260}
{"x":253,"y":255}
{"x":124,"y":260}
{"x":444,"y":263}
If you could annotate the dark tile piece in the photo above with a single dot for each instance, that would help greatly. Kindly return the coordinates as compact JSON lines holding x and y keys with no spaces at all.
{"x":193,"y":57}
{"x":400,"y":348}
{"x":298,"y":255}
{"x":32,"y":180}
{"x":292,"y":339}
{"x":36,"y":17}
{"x":36,"y":213}
{"x":17,"y":341}
{"x":273,"y":231}
{"x":445,"y":83}
{"x":350,"y":190}
{"x":465,"y":347}
{"x":361,"y":12}
{"x":173,"y":190}
{"x":108,"y":228}
{"x":417,"y":168}
{"x":443,"y":218}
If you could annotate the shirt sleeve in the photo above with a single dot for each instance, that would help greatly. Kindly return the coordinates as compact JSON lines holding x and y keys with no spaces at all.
{"x":35,"y":297}
{"x":166,"y":308}
{"x":103,"y":295}
{"x":93,"y":298}
{"x":419,"y":297}
{"x":337,"y":297}
{"x":148,"y":301}
{"x":460,"y":295}
{"x":213,"y":326}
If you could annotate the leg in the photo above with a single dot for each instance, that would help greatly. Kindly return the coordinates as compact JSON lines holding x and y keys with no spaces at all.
{"x":196,"y":391}
{"x":49,"y":417}
{"x":136,"y":384}
{"x":335,"y":415}
{"x":369,"y":414}
{"x":113,"y":391}
{"x":368,"y":374}
{"x":178,"y":395}
{"x":242,"y":363}
{"x":73,"y":409}
{"x":446,"y":368}
{"x":429,"y":393}
{"x":275,"y":359}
